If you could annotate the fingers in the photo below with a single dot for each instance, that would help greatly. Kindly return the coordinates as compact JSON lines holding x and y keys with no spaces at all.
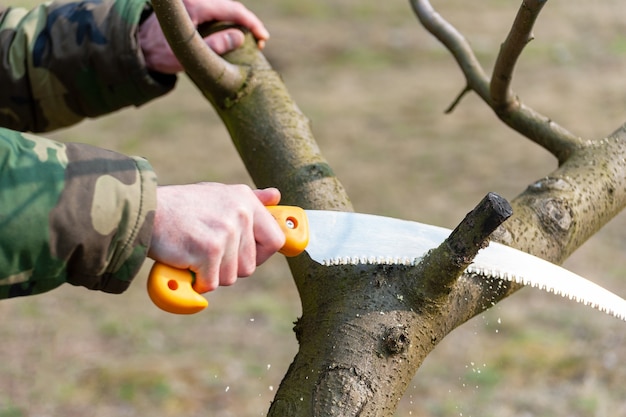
{"x":220,"y":232}
{"x":230,"y":255}
{"x":157,"y":53}
{"x":254,"y":239}
{"x":227,"y":10}
{"x":225,"y":41}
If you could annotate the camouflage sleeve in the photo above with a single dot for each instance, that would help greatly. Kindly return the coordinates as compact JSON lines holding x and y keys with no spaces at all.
{"x":66,"y":60}
{"x":71,"y":213}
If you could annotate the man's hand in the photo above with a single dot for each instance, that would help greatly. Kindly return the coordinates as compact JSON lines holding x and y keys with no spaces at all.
{"x":220,"y":232}
{"x":158,"y":54}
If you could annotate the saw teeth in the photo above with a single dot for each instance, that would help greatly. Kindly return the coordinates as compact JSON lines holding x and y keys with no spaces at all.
{"x":369,"y":260}
{"x":614,"y":309}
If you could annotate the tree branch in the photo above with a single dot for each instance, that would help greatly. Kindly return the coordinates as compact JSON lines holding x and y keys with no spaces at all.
{"x":208,"y":70}
{"x":270,"y":132}
{"x":497,"y":93}
{"x":519,"y":36}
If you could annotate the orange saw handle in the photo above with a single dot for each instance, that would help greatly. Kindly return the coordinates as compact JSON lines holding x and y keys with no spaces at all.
{"x":171,"y":289}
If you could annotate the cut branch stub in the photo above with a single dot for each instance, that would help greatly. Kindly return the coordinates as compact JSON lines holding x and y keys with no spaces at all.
{"x":442,"y":266}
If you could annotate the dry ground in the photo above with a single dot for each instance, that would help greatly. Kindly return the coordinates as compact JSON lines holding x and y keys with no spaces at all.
{"x":375,"y":85}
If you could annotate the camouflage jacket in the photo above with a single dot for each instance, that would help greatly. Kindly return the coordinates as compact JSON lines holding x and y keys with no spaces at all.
{"x":71,"y":212}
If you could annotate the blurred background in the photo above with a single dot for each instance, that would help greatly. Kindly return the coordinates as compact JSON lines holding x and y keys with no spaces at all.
{"x":375,"y":85}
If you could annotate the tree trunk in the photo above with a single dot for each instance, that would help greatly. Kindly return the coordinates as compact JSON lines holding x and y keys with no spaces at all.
{"x":366,"y":329}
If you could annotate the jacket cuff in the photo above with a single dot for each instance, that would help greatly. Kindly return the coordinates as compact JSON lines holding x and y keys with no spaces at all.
{"x":134,"y":242}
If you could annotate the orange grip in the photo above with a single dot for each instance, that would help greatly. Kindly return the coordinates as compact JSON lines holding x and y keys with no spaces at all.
{"x":295,"y":225}
{"x":171,"y":288}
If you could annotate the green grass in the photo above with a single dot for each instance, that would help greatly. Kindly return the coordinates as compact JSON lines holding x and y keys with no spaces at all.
{"x":9,"y":411}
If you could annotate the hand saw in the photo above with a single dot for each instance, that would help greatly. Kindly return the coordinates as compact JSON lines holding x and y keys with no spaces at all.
{"x":340,"y":238}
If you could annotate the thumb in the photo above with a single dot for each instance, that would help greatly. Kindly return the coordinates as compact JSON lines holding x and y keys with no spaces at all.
{"x":268,"y":196}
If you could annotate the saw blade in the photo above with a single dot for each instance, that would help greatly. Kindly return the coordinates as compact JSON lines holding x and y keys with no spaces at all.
{"x":339,"y":238}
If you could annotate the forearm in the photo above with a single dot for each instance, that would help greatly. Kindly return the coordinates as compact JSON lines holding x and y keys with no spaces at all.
{"x":71,"y":213}
{"x":54,"y":74}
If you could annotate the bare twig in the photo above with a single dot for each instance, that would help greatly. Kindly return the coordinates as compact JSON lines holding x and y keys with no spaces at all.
{"x":511,"y":49}
{"x":457,"y":44}
{"x":208,"y":70}
{"x":497,"y":93}
{"x":457,"y":100}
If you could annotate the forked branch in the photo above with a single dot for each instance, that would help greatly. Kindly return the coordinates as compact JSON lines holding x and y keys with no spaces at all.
{"x":497,"y":92}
